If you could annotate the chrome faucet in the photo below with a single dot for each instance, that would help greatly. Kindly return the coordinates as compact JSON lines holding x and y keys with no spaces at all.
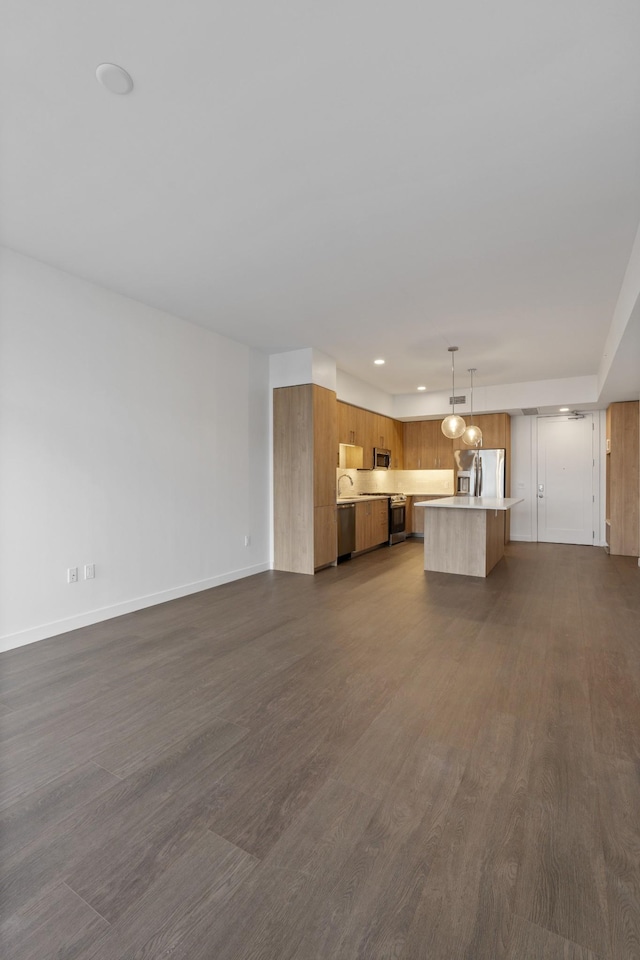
{"x":342,"y":478}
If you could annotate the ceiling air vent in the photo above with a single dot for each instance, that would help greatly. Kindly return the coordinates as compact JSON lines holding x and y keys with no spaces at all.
{"x":460,"y":399}
{"x":530,"y":411}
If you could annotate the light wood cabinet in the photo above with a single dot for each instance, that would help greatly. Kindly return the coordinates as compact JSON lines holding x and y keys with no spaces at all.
{"x":495,"y":429}
{"x":325,"y":538}
{"x":417,"y":517}
{"x":397,"y":445}
{"x":426,"y":447}
{"x":372,"y":523}
{"x":352,"y":425}
{"x":622,"y":479}
{"x":370,"y":430}
{"x":305,"y":438}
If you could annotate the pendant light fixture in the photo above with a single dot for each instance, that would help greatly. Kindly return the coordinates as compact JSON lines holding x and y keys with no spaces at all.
{"x":472,"y":435}
{"x":453,"y":426}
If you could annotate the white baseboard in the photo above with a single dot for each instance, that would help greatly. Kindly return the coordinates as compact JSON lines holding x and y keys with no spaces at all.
{"x":46,"y":630}
{"x":522,"y":539}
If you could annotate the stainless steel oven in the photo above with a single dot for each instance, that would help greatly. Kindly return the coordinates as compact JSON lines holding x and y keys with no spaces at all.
{"x":397,"y":518}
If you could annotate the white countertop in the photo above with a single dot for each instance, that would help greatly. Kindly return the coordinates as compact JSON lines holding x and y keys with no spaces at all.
{"x":473,"y":503}
{"x":363,"y":497}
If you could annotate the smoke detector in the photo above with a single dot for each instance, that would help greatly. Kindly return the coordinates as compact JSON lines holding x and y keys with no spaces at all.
{"x":114,"y":78}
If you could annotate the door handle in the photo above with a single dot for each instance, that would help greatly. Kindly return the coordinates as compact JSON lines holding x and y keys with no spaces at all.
{"x":540,"y":496}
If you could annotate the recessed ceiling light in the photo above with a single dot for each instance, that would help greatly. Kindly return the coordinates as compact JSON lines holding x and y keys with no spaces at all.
{"x":378,"y":362}
{"x":564,"y":409}
{"x":422,"y":388}
{"x":114,"y":78}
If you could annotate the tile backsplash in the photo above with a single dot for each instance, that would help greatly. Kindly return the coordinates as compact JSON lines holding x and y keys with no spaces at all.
{"x":396,"y":481}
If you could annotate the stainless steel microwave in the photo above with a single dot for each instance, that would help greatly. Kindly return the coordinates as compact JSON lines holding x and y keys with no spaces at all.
{"x":381,"y":458}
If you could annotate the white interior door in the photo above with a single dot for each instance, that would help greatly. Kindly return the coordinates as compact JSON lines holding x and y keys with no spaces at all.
{"x":565,"y":480}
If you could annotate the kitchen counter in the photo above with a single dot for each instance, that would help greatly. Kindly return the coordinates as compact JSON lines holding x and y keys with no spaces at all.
{"x":465,"y":535}
{"x":473,"y":503}
{"x":363,"y":497}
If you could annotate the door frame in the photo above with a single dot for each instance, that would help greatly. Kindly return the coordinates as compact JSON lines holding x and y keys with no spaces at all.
{"x":597,"y":515}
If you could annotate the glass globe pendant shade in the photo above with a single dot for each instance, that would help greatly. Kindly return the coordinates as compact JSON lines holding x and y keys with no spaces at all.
{"x":453,"y":426}
{"x":472,"y":435}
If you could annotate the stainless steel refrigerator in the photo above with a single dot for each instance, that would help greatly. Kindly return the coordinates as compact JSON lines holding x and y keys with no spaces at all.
{"x":480,"y":473}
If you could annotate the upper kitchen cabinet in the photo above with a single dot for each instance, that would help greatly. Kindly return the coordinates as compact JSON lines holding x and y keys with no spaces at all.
{"x":622,"y":479}
{"x":354,"y":427}
{"x":426,"y":447}
{"x":397,"y":445}
{"x":305,"y":440}
{"x":387,"y":434}
{"x":370,"y":430}
{"x":496,"y":429}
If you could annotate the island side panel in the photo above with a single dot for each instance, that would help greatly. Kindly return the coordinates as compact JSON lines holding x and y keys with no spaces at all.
{"x":455,"y":541}
{"x":496,"y":536}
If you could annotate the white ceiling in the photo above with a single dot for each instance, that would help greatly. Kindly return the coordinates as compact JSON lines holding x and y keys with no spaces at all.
{"x":367,"y":178}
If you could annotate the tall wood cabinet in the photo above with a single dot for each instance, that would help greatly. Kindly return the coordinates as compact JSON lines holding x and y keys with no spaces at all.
{"x":622,"y":479}
{"x":305,"y":438}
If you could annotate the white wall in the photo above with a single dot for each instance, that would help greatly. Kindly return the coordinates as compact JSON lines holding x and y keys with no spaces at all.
{"x":302,"y":366}
{"x":569,"y":392}
{"x":361,"y":394}
{"x":524,"y":440}
{"x":129,"y":439}
{"x":619,"y":372}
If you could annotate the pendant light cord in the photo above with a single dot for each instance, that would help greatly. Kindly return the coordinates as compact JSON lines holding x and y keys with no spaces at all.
{"x":453,"y":381}
{"x":452,"y":351}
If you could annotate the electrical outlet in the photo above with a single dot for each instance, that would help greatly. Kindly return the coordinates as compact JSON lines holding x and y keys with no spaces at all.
{"x":247,"y":541}
{"x":72,"y":575}
{"x":89,"y":571}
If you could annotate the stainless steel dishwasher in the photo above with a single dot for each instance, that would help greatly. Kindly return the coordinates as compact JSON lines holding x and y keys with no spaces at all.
{"x":346,"y":530}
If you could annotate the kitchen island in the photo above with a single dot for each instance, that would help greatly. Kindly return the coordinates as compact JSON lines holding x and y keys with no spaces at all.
{"x":464,"y":535}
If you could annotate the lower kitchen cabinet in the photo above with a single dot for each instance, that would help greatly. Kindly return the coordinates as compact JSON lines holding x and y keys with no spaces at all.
{"x":417,"y":517}
{"x":325,"y":535}
{"x":372,"y":523}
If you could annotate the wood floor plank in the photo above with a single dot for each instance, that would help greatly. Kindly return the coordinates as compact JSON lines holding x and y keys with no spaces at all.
{"x":526,"y":940}
{"x":108,"y":843}
{"x":56,"y":924}
{"x":371,"y":762}
{"x":206,"y":874}
{"x":277,"y":770}
{"x":378,"y":891}
{"x":614,"y":694}
{"x":618,"y":785}
{"x":37,"y":816}
{"x":470,"y":888}
{"x":561,"y":878}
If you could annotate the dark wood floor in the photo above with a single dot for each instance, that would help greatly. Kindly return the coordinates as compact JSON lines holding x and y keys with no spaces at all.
{"x":372,"y":763}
